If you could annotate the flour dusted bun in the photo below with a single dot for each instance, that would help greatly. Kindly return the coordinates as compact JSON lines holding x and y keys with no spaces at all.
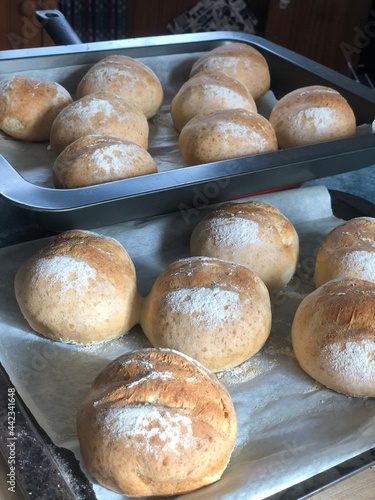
{"x":28,"y":107}
{"x":127,"y":78}
{"x":215,"y":311}
{"x":240,"y":61}
{"x":347,"y":251}
{"x":333,"y":336}
{"x":99,"y":113}
{"x":311,"y":115}
{"x":253,"y":234}
{"x":225,"y":134}
{"x":95,"y":159}
{"x":209,"y":91}
{"x":156,"y":422}
{"x":80,"y":288}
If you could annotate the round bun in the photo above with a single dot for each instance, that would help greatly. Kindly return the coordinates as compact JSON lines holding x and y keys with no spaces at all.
{"x":333,"y":336}
{"x":253,"y":234}
{"x":225,"y":134}
{"x":311,"y":115}
{"x":215,"y":311}
{"x":209,"y":91}
{"x":156,"y":422}
{"x":127,"y":78}
{"x":95,"y":159}
{"x":80,"y":288}
{"x":347,"y":251}
{"x":240,"y":61}
{"x":28,"y":107}
{"x":99,"y":113}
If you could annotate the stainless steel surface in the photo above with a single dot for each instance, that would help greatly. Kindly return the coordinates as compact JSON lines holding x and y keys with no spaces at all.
{"x":181,"y":187}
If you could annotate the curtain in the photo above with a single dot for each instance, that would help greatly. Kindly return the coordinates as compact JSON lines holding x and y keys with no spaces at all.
{"x":96,"y":20}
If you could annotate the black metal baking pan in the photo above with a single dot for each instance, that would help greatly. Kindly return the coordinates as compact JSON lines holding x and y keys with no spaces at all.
{"x":188,"y":188}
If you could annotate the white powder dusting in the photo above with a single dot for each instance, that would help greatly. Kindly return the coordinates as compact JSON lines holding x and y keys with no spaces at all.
{"x":211,"y":306}
{"x":234,"y":230}
{"x":352,"y":360}
{"x":149,"y":429}
{"x":230,"y":129}
{"x":68,"y":272}
{"x":151,"y":376}
{"x":103,"y":75}
{"x":323,"y":119}
{"x":86,"y":109}
{"x":362,"y":263}
{"x":230,"y":97}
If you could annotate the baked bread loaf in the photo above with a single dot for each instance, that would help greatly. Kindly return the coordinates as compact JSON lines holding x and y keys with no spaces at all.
{"x":79,"y":288}
{"x":225,"y":134}
{"x":209,"y":91}
{"x":127,"y":78}
{"x":156,"y":422}
{"x":95,"y":159}
{"x":253,"y":234}
{"x":215,"y":311}
{"x":99,"y":113}
{"x":347,"y":251}
{"x":240,"y":61}
{"x":333,"y":336}
{"x":311,"y":115}
{"x":28,"y":107}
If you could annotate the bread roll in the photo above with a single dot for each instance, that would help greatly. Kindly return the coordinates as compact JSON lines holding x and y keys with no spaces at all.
{"x":156,"y":422}
{"x":28,"y":107}
{"x":225,"y":134}
{"x":253,"y":234}
{"x":99,"y":113}
{"x":80,"y":288}
{"x":347,"y":251}
{"x":333,"y":336}
{"x":240,"y":61}
{"x":215,"y":311}
{"x":209,"y":91}
{"x":127,"y":78}
{"x":95,"y":159}
{"x":311,"y":115}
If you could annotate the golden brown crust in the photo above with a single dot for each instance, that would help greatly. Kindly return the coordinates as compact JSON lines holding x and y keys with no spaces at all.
{"x":333,"y":336}
{"x":96,"y":159}
{"x":28,"y":107}
{"x":215,"y":311}
{"x":155,"y":422}
{"x":127,"y":78}
{"x":311,"y":115}
{"x":347,"y":251}
{"x":209,"y":91}
{"x":224,"y":134}
{"x":240,"y":61}
{"x":253,"y":234}
{"x":99,"y":113}
{"x":79,"y":288}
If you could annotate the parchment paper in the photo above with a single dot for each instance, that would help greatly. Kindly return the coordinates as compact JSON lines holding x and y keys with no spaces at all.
{"x":290,"y":427}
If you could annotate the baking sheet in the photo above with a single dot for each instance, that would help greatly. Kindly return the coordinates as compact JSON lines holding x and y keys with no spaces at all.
{"x":171,"y":57}
{"x":34,"y":160}
{"x":290,"y":428}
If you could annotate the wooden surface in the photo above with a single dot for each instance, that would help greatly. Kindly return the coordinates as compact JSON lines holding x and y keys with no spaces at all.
{"x":323,"y":30}
{"x":360,"y":486}
{"x":19,"y":28}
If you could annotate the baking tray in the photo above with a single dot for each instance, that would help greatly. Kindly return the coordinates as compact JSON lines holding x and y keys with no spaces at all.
{"x":188,"y":187}
{"x":46,"y":471}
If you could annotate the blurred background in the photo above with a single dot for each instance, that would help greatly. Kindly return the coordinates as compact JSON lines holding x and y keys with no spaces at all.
{"x":339,"y":34}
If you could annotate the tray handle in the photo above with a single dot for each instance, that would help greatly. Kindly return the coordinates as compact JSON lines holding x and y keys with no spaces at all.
{"x":58,"y":28}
